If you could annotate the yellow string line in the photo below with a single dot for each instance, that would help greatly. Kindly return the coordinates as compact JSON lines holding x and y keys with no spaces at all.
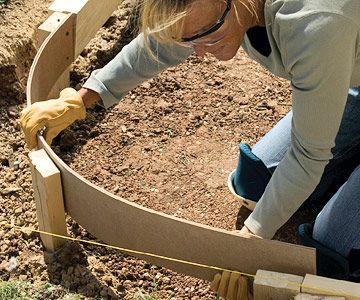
{"x":29,"y":229}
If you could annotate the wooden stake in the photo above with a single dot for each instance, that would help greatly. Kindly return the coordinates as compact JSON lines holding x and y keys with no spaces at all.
{"x":325,"y":286}
{"x":49,"y":198}
{"x":50,"y":25}
{"x":273,"y":285}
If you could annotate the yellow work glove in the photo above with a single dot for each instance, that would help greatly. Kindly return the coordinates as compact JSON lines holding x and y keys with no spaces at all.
{"x":55,"y":115}
{"x":230,"y":286}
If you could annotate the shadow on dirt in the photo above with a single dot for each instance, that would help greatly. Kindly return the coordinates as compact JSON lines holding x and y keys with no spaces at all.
{"x":76,"y":270}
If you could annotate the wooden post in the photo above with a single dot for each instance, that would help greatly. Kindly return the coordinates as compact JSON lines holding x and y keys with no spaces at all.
{"x":45,"y":29}
{"x":325,"y":286}
{"x":49,"y":198}
{"x":273,"y":285}
{"x":50,"y":25}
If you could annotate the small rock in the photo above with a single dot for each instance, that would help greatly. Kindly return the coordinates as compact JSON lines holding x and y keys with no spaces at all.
{"x":107,"y":279}
{"x":23,"y":277}
{"x":271,"y":104}
{"x":92,"y":260}
{"x":10,"y":190}
{"x":146,"y":85}
{"x":10,"y":177}
{"x":16,"y":165}
{"x":18,"y":211}
{"x":12,"y":264}
{"x":127,"y":283}
{"x":23,"y":165}
{"x":166,"y":280}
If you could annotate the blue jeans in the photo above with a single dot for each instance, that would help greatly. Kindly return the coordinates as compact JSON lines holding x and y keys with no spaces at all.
{"x":337,"y":225}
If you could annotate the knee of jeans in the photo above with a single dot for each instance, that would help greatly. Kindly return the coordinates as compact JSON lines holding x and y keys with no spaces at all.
{"x":251,"y":175}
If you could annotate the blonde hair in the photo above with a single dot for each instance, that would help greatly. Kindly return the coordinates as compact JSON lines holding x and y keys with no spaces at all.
{"x":163,"y":19}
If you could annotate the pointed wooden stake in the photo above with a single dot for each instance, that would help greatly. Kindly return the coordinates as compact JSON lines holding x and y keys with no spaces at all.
{"x":49,"y":198}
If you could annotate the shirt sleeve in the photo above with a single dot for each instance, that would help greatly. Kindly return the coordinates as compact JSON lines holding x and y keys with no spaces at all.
{"x":133,"y":65}
{"x":319,"y":53}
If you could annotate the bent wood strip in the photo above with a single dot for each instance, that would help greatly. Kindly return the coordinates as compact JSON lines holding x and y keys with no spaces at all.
{"x":121,"y":223}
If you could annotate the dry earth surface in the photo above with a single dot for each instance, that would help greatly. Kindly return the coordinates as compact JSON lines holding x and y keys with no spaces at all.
{"x":169,"y":145}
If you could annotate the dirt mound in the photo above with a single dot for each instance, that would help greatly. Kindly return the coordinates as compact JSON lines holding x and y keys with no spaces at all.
{"x":18,"y":22}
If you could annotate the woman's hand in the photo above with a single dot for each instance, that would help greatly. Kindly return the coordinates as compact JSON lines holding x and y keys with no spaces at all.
{"x":245,"y":231}
{"x":55,"y":115}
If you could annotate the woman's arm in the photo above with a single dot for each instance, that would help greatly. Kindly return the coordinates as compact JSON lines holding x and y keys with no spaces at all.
{"x":319,"y":56}
{"x":132,"y":66}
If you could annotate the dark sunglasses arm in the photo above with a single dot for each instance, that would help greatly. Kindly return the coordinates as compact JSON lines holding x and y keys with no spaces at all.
{"x":213,"y":28}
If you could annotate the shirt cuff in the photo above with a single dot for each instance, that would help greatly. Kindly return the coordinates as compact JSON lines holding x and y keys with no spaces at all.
{"x":93,"y":83}
{"x":256,"y":228}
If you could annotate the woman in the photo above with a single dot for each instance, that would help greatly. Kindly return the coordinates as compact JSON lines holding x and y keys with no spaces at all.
{"x":313,"y":43}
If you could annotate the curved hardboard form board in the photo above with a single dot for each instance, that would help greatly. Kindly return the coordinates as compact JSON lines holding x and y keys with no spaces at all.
{"x":124,"y":224}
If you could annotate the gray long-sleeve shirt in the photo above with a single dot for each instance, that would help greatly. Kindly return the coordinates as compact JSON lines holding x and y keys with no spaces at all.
{"x":316,"y":45}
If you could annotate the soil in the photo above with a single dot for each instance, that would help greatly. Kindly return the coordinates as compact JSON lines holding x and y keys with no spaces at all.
{"x":169,"y":145}
{"x":18,"y":22}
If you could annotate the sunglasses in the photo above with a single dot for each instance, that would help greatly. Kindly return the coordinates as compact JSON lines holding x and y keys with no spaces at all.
{"x":213,"y":28}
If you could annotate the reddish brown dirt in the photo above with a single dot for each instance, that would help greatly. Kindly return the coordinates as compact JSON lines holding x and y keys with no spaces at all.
{"x":169,"y":145}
